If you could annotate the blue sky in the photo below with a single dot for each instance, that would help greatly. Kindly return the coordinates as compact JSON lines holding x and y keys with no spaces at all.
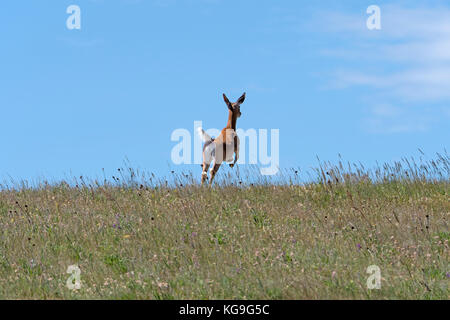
{"x":76,"y":101}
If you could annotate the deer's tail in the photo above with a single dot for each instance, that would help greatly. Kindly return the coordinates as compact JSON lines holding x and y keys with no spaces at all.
{"x":205,"y":137}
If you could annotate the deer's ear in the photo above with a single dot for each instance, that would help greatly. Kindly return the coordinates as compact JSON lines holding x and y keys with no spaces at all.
{"x":226,"y":100}
{"x":241,"y":99}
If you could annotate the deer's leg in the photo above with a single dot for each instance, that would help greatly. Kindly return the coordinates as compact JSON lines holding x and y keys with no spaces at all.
{"x":208,"y":157}
{"x":205,"y":172}
{"x":213,"y":164}
{"x":236,"y":157}
{"x":213,"y":172}
{"x":236,"y":151}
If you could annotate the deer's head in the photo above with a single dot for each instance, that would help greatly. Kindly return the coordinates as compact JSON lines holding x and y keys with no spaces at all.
{"x":235,"y":107}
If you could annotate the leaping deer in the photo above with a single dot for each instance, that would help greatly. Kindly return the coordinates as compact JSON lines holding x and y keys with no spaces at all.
{"x":222,"y":148}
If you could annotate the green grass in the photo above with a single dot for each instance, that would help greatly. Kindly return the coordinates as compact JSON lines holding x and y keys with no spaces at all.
{"x":280,"y":240}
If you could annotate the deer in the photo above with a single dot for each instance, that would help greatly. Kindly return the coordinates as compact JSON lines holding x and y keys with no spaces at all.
{"x":222,"y":148}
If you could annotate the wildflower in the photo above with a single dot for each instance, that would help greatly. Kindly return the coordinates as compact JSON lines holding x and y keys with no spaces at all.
{"x":358,"y":246}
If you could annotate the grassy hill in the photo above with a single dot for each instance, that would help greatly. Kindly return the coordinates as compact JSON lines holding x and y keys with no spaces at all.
{"x":261,"y":240}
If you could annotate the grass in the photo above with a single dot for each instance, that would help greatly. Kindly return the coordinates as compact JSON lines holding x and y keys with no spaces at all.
{"x":138,"y":238}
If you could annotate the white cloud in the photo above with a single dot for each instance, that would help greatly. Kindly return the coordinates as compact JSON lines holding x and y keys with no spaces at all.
{"x":81,"y":42}
{"x":414,"y":84}
{"x":423,"y":52}
{"x":386,"y":110}
{"x":407,"y":63}
{"x":386,"y":118}
{"x":396,"y":23}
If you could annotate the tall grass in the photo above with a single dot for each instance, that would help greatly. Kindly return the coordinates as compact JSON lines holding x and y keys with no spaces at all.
{"x":298,"y":235}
